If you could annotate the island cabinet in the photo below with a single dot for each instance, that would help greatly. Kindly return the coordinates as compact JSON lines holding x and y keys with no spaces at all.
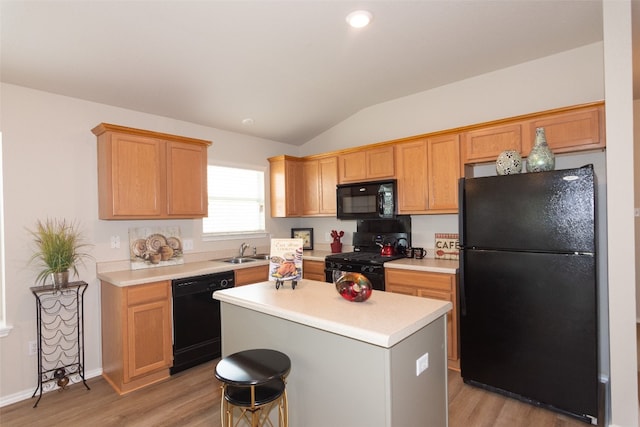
{"x":247,"y":276}
{"x":439,"y":286}
{"x":286,"y":186}
{"x":136,"y":334}
{"x":428,"y":170}
{"x":150,"y":175}
{"x":366,"y":164}
{"x":319,"y":180}
{"x":313,"y":270}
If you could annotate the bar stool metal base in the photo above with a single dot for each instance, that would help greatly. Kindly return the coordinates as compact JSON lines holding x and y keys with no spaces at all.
{"x":264,"y":397}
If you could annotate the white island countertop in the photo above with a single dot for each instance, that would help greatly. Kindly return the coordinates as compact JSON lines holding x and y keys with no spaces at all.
{"x":384,"y":319}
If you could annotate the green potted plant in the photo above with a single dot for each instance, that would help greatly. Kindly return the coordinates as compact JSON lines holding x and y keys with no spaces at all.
{"x":60,"y":248}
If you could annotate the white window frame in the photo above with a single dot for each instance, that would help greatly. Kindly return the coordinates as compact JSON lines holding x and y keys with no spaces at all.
{"x":218,"y":236}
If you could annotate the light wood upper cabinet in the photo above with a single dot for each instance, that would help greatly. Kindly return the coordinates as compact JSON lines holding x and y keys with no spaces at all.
{"x":368,"y":164}
{"x":150,"y":175}
{"x":136,"y":334}
{"x":427,"y":172}
{"x":574,"y":130}
{"x":570,"y":129}
{"x":443,"y":171}
{"x":286,"y":186}
{"x":319,"y":177}
{"x":486,"y":143}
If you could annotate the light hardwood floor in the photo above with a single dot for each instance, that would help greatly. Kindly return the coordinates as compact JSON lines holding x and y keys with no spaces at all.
{"x":192,"y":398}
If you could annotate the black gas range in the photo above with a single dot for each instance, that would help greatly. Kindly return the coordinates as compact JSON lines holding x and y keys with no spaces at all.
{"x":367,"y":243}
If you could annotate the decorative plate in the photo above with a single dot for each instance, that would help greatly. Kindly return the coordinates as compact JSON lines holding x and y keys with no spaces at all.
{"x":155,"y":242}
{"x":174,"y":243}
{"x":139,"y":247}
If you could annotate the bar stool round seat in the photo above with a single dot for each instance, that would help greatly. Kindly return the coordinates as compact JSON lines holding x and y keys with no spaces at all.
{"x":254,"y":382}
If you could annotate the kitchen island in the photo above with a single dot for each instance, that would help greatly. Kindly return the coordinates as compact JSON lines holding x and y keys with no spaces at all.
{"x":352,"y":364}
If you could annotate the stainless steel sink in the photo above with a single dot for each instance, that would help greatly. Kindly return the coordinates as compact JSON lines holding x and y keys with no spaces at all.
{"x":260,"y":256}
{"x":238,"y":260}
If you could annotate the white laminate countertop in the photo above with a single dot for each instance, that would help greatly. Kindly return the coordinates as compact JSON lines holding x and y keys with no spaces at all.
{"x":138,"y":277}
{"x":384,"y":319}
{"x":426,"y":264}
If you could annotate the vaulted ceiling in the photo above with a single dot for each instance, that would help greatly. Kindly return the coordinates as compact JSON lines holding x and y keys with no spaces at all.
{"x":294,"y":67}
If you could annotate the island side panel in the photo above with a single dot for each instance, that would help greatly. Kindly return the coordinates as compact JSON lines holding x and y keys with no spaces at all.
{"x":340,"y":381}
{"x":334,"y":380}
{"x":420,"y":400}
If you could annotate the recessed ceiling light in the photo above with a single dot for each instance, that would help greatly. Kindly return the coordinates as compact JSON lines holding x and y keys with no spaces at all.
{"x":359,"y":18}
{"x":247,"y":122}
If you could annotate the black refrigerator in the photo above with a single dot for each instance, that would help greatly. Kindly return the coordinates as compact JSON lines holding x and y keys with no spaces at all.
{"x":528,"y":288}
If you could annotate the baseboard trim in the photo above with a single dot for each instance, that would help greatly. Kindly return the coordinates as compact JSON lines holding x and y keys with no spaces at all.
{"x":26,"y":394}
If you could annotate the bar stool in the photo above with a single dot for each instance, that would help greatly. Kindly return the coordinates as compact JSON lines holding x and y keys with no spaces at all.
{"x":253,"y":381}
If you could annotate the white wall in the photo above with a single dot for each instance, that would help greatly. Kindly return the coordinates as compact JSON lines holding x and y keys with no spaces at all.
{"x":50,"y":171}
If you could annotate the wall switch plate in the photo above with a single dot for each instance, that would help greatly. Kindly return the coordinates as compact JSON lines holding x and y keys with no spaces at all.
{"x":33,"y":348}
{"x":115,"y":242}
{"x":327,"y":237}
{"x":187,"y":244}
{"x":422,"y":363}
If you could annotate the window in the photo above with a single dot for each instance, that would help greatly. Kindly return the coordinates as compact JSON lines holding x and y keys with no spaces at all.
{"x":236,"y":201}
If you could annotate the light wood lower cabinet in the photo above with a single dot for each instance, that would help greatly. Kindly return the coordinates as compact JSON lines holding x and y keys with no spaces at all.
{"x":313,"y":270}
{"x":136,"y":334}
{"x":430,"y":285}
{"x":247,"y":276}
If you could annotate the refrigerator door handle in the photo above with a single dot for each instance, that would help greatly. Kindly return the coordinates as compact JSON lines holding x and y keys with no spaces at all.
{"x":461,"y":292}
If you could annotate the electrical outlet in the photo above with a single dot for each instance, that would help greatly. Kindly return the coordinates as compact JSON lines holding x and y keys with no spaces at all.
{"x":187,"y":244}
{"x":115,"y":242}
{"x":327,"y":237}
{"x":33,"y":348}
{"x":422,"y":363}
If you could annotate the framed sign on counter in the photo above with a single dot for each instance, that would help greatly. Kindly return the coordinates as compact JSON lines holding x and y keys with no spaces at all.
{"x":306,"y":234}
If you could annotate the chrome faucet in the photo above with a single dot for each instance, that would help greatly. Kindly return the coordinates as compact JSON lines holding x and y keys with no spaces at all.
{"x":243,"y":247}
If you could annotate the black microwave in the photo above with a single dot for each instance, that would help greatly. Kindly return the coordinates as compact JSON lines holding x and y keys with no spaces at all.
{"x":367,"y":200}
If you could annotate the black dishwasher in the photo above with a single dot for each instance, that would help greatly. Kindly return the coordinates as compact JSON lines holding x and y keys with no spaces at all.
{"x":196,"y":319}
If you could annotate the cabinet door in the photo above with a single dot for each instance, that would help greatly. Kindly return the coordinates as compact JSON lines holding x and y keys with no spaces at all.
{"x":246,"y":276}
{"x":148,"y":338}
{"x":186,"y":180}
{"x":286,"y":186}
{"x":380,"y":163}
{"x":328,"y":173}
{"x":368,"y":164}
{"x":582,"y":129}
{"x":313,"y":270}
{"x":353,"y":167}
{"x":310,"y":187}
{"x":136,"y":171}
{"x":443,"y":171}
{"x":486,"y":144}
{"x":411,"y":164}
{"x":429,"y":285}
{"x":452,"y":321}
